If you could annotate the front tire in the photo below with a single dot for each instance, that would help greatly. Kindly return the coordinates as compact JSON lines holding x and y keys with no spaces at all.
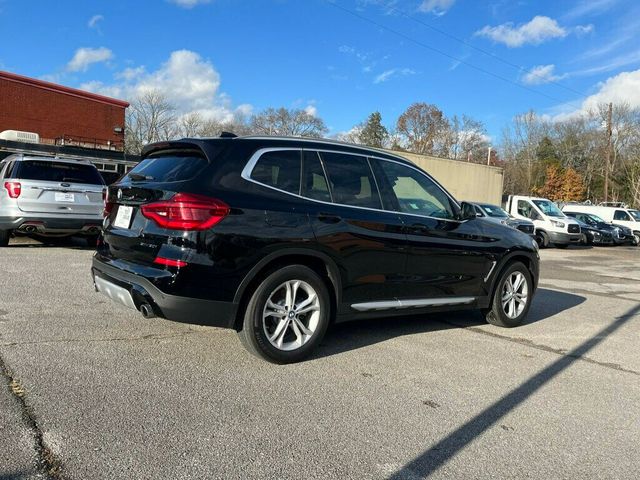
{"x":5,"y":235}
{"x":287,"y":315}
{"x":511,"y":297}
{"x":543,"y":239}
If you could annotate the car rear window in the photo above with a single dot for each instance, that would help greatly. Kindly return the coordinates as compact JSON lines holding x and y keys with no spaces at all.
{"x":169,"y":167}
{"x":40,"y":170}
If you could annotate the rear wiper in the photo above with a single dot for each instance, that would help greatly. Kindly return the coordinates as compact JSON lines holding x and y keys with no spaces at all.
{"x":136,"y":177}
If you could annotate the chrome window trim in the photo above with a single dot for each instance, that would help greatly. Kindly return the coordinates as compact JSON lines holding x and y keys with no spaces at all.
{"x":248,"y":168}
{"x":411,"y":303}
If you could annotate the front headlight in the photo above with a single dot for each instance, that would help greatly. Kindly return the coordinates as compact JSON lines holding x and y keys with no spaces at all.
{"x":557,"y":223}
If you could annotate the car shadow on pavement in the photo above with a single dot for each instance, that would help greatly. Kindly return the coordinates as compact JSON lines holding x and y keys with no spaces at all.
{"x":445,"y":449}
{"x":348,"y":336}
{"x":344,"y":337}
{"x":72,"y":243}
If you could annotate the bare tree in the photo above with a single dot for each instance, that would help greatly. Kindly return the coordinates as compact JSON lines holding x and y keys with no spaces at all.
{"x":467,"y":139}
{"x":520,"y":143}
{"x":424,"y":128}
{"x":286,"y":122}
{"x":150,"y":118}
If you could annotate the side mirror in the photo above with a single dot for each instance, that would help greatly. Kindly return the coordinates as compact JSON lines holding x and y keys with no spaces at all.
{"x":467,"y":211}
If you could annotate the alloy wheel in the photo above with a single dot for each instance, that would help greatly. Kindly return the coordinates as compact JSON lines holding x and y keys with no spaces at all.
{"x":515,"y":294}
{"x":291,"y":315}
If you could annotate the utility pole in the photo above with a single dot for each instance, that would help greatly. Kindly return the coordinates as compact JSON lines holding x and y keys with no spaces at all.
{"x":489,"y":156}
{"x":608,"y":154}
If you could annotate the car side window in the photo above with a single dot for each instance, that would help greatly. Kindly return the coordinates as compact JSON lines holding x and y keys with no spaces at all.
{"x":314,"y":183}
{"x":417,"y":193}
{"x":524,"y":208}
{"x":351,"y":180}
{"x":279,"y":169}
{"x":621,"y":215}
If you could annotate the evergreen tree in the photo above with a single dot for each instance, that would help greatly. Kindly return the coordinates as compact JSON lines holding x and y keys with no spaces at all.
{"x":372,"y":132}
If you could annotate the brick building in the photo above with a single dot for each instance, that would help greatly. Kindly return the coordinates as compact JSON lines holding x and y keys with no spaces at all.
{"x":68,"y":121}
{"x":61,"y":115}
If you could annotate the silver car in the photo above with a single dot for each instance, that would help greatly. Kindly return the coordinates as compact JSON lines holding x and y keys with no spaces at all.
{"x":49,"y":196}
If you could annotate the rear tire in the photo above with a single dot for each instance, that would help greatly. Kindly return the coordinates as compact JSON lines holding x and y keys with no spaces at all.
{"x":511,"y":297}
{"x":5,"y":235}
{"x":287,"y":315}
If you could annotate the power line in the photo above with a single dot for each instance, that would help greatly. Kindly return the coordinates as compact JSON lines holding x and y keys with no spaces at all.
{"x":520,"y":68}
{"x":440,"y":52}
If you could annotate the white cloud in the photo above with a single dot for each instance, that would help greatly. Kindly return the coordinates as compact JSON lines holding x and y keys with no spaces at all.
{"x":85,"y":57}
{"x":536,"y":31}
{"x":623,"y":88}
{"x":437,"y":7}
{"x":93,"y":21}
{"x":394,"y":72}
{"x":311,"y":110}
{"x":581,"y":30}
{"x":190,"y":82}
{"x":541,"y":74}
{"x":189,"y":3}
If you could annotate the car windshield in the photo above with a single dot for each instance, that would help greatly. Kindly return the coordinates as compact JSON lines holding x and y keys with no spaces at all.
{"x":596,"y":218}
{"x":549,"y":208}
{"x":635,"y":214}
{"x":493,"y":211}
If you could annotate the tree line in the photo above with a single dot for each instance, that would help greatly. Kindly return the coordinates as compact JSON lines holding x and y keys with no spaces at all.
{"x":563,"y":160}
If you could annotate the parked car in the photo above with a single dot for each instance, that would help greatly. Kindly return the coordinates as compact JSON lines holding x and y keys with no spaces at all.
{"x":552,"y":225}
{"x":49,"y":196}
{"x":622,"y":216}
{"x":496,"y":214}
{"x":619,"y":233}
{"x":592,"y":235}
{"x":279,"y":237}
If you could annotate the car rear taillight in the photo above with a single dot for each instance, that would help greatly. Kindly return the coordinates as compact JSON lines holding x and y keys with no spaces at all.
{"x":13,"y":188}
{"x":106,"y":211}
{"x":185,"y":211}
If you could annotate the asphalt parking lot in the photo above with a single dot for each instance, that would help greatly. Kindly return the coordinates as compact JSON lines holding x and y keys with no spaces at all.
{"x":91,"y":390}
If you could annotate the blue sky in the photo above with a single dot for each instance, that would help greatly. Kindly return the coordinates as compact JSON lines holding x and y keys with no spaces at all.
{"x":341,"y":62}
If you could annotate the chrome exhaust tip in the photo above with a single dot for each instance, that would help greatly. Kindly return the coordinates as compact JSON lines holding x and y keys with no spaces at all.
{"x":147,"y":311}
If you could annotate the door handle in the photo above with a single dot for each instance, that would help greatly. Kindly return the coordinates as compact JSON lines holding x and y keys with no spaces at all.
{"x":328,"y":218}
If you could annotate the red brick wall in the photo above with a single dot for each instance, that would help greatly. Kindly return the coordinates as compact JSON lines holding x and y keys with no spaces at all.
{"x":54,"y":114}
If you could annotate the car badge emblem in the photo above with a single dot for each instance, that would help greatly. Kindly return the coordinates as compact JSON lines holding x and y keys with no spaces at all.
{"x":119,"y":194}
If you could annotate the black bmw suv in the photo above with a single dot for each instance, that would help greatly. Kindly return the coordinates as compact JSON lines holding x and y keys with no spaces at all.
{"x":279,"y":237}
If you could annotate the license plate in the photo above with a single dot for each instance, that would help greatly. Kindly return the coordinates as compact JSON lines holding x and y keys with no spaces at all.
{"x":64,"y":197}
{"x":123,"y":217}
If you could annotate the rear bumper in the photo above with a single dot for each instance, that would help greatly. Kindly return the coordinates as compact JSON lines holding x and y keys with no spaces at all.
{"x":140,"y":290}
{"x":52,"y":225}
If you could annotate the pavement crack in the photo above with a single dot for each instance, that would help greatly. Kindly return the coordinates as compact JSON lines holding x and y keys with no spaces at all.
{"x":48,"y":464}
{"x":546,"y":348}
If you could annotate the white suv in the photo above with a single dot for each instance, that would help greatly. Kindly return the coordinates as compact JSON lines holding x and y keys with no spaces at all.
{"x":49,"y":196}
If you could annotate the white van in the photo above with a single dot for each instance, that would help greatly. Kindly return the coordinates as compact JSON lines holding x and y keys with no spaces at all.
{"x":552,"y":226}
{"x":626,"y":217}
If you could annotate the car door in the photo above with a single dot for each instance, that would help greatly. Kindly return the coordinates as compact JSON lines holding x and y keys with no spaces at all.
{"x":447,"y":259}
{"x":367,"y":243}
